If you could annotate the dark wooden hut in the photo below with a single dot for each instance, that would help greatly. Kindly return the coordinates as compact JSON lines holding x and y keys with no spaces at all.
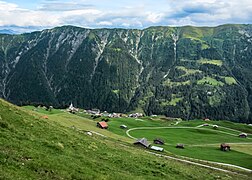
{"x":243,"y":135}
{"x":181,"y":146}
{"x":225,"y":147}
{"x":158,"y":141}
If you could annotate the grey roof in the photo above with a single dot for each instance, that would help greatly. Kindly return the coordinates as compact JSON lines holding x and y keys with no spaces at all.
{"x":143,"y":141}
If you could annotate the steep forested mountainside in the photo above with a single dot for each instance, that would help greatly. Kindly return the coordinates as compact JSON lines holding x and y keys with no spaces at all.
{"x":188,"y":72}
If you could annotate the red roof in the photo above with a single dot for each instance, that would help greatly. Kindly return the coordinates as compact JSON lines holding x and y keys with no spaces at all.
{"x":103,"y":124}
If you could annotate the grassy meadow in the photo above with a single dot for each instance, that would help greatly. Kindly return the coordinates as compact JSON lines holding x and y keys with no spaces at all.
{"x":201,"y":144}
{"x":32,"y":147}
{"x":198,"y":141}
{"x":35,"y":148}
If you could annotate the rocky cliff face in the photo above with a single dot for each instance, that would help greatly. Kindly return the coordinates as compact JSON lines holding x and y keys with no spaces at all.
{"x":188,"y":72}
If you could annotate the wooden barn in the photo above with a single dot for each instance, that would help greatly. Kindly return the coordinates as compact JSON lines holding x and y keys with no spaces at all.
{"x":142,"y":142}
{"x":243,"y":135}
{"x":181,"y":146}
{"x":102,"y":125}
{"x":158,"y":141}
{"x":123,"y":126}
{"x":224,"y":147}
{"x":215,"y":126}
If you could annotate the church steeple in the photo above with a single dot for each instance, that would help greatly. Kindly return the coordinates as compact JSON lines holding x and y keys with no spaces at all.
{"x":71,"y":107}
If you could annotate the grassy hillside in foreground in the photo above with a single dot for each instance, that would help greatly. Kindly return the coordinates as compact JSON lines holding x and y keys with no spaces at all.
{"x":198,"y":140}
{"x":35,"y":148}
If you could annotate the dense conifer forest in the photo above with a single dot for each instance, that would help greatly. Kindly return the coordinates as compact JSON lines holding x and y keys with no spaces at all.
{"x":188,"y":72}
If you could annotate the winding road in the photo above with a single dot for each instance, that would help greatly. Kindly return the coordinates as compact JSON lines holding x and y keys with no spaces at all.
{"x":192,"y":160}
{"x":197,"y":127}
{"x":152,"y":128}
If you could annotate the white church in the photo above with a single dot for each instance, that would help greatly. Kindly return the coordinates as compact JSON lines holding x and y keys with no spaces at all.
{"x":72,"y":109}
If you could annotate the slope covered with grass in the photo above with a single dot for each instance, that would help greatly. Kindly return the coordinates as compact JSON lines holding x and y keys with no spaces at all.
{"x":36,"y":148}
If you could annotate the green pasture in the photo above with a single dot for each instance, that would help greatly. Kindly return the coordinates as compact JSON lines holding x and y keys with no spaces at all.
{"x":35,"y":148}
{"x":200,"y":143}
{"x":43,"y":110}
{"x":213,"y":153}
{"x":188,"y":136}
{"x":114,"y":124}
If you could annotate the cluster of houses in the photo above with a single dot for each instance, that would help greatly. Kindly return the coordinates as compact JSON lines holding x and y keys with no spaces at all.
{"x":136,"y":115}
{"x":93,"y":111}
{"x":114,"y":115}
{"x":97,"y":112}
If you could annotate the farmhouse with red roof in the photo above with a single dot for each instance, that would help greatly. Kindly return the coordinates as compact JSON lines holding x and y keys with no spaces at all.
{"x":102,"y":125}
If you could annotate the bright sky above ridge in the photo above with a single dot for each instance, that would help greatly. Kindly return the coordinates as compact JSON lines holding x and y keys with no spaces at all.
{"x":39,"y":14}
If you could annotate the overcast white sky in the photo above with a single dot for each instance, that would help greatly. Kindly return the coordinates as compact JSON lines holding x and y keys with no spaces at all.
{"x":39,"y":14}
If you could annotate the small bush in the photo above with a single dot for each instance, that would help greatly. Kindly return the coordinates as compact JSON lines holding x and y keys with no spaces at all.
{"x":4,"y":125}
